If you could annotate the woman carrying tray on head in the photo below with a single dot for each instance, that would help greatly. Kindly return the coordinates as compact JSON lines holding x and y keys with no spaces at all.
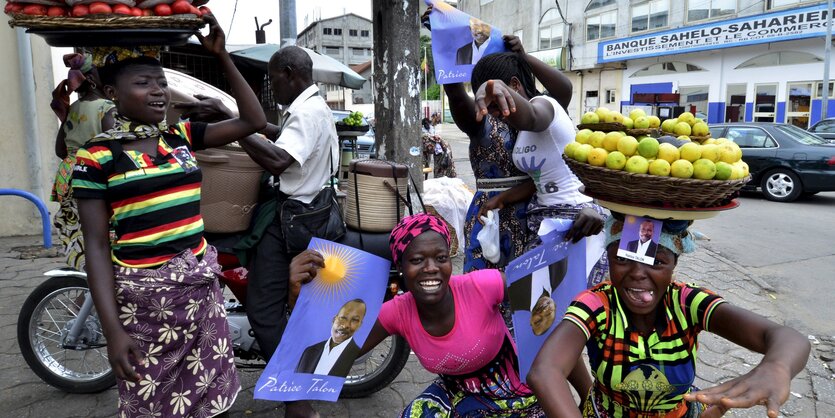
{"x":85,"y":118}
{"x":155,"y":288}
{"x":506,"y":90}
{"x":491,"y":145}
{"x":641,"y":331}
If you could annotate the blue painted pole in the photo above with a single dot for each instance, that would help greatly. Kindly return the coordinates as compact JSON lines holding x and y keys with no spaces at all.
{"x":47,"y":230}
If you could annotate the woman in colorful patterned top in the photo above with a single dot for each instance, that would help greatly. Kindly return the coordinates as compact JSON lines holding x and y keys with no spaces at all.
{"x":155,"y":288}
{"x":453,"y":325}
{"x":640,"y":330}
{"x":87,"y":117}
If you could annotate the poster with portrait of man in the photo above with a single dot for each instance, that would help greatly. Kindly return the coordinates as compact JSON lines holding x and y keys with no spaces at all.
{"x":639,"y":240}
{"x":541,"y":283}
{"x":329,"y":324}
{"x":459,"y":41}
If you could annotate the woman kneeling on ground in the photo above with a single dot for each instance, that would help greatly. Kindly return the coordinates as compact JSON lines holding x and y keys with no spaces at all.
{"x":453,"y":325}
{"x":640,"y":330}
{"x":155,"y":286}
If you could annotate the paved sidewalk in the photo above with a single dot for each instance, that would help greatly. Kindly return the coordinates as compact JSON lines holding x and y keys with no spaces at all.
{"x":22,"y":394}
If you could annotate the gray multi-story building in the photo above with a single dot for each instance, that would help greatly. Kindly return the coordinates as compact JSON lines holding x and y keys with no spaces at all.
{"x":347,"y":39}
{"x":728,"y":60}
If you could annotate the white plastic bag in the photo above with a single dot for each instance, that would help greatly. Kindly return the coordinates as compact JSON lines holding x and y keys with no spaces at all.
{"x":488,"y":237}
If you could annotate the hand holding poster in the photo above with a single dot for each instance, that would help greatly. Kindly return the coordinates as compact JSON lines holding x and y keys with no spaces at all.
{"x":541,"y":283}
{"x":329,"y":324}
{"x":459,"y":41}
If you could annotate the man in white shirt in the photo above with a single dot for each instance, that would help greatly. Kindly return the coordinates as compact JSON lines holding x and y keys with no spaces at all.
{"x":473,"y":51}
{"x":336,"y":355}
{"x":644,"y":245}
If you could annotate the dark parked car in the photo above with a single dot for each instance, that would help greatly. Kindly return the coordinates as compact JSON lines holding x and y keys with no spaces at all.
{"x":825,"y":129}
{"x":785,"y":161}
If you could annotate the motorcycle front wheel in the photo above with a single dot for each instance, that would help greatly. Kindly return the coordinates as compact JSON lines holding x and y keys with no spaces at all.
{"x":45,"y":319}
{"x":374,"y":370}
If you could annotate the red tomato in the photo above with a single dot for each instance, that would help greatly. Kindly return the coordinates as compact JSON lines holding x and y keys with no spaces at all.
{"x":181,"y":7}
{"x":80,"y":10}
{"x":135,"y":11}
{"x":195,"y":11}
{"x":147,"y":12}
{"x":122,"y":9}
{"x":99,"y":8}
{"x":56,"y":11}
{"x":162,"y":10}
{"x":34,"y":9}
{"x":205,"y":10}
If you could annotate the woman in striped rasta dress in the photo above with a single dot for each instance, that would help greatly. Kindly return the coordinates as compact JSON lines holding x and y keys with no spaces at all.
{"x":155,"y":288}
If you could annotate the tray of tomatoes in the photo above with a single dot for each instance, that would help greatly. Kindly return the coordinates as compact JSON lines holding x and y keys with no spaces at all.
{"x":112,"y":22}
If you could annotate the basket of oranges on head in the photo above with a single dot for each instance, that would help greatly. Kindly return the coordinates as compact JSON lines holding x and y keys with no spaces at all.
{"x":108,"y":22}
{"x":664,"y":172}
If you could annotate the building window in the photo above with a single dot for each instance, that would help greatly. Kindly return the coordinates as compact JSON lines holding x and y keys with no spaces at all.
{"x":709,"y":9}
{"x":670,"y":67}
{"x":650,"y":15}
{"x":357,"y":52}
{"x":594,"y":4}
{"x":352,"y":32}
{"x":551,"y":30}
{"x":364,"y":33}
{"x":333,"y":50}
{"x":780,"y":58}
{"x":327,"y":31}
{"x":601,"y":26}
{"x":819,"y":90}
{"x":776,"y":4}
{"x":611,"y":96}
{"x":337,"y":31}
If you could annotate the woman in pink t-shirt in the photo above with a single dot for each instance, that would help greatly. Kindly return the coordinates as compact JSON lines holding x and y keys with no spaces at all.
{"x":453,"y":325}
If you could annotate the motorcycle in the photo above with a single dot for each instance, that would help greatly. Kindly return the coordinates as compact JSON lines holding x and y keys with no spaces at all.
{"x":61,"y":338}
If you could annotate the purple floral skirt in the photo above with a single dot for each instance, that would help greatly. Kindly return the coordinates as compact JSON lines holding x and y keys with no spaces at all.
{"x":175,"y":314}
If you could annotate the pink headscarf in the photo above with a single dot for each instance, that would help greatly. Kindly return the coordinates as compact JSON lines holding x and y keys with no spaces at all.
{"x":409,"y":228}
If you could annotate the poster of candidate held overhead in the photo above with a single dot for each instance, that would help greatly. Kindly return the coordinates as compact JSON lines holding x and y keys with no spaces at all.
{"x":459,"y":41}
{"x":541,"y":283}
{"x":329,"y":324}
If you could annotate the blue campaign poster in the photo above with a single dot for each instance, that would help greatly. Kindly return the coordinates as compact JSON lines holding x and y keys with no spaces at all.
{"x":459,"y":41}
{"x":329,"y":324}
{"x":541,"y":283}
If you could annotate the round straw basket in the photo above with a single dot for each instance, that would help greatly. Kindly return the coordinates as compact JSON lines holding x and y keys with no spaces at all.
{"x":604,"y":127}
{"x":645,"y":189}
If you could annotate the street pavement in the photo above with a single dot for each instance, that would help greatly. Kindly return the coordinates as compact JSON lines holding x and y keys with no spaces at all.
{"x":22,"y":394}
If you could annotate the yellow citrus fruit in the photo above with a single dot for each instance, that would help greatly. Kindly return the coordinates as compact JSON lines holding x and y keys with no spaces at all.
{"x":704,"y":169}
{"x":659,"y":167}
{"x":581,"y":153}
{"x":628,"y":145}
{"x":682,"y":169}
{"x":596,"y":139}
{"x":637,"y":164}
{"x":668,"y":152}
{"x":690,"y":151}
{"x":597,"y":157}
{"x":723,"y":171}
{"x":615,"y":160}
{"x":610,"y":141}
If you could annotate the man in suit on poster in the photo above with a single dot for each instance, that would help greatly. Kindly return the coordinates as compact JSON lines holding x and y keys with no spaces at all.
{"x":644,"y":245}
{"x":335,"y":356}
{"x":473,"y":51}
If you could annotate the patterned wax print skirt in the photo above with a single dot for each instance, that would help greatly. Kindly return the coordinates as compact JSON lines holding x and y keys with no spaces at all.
{"x":175,"y":315}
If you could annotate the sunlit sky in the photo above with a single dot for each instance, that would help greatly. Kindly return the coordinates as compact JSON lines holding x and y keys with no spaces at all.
{"x":242,"y":29}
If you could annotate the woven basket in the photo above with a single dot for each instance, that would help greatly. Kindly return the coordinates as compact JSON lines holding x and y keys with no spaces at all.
{"x":645,"y":189}
{"x":186,"y":21}
{"x":604,"y":127}
{"x":453,"y":237}
{"x":653,"y":132}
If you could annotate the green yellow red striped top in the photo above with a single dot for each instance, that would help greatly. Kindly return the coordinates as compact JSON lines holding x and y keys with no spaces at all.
{"x":154,"y":201}
{"x":639,"y":375}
